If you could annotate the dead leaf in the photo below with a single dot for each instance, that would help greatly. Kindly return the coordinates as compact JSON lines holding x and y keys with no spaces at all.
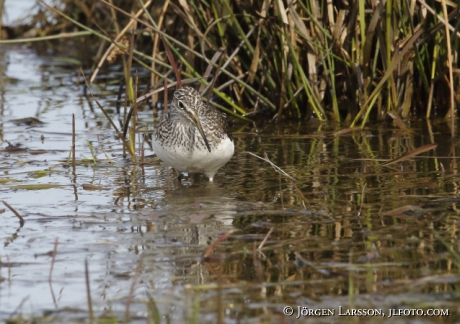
{"x":412,"y":153}
{"x":88,"y":186}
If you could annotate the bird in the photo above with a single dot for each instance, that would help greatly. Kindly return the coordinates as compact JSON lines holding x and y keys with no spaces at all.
{"x":192,"y":135}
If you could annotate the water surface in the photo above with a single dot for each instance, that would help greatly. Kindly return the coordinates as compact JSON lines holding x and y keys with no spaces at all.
{"x":336,"y":235}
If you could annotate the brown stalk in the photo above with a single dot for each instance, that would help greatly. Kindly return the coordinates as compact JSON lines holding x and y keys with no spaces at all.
{"x":442,"y":22}
{"x":128,"y":84}
{"x":367,"y":52}
{"x":88,"y":293}
{"x":344,"y":131}
{"x":9,"y":267}
{"x":73,"y":144}
{"x":280,"y":171}
{"x":119,"y":36}
{"x":281,"y":192}
{"x":130,"y":56}
{"x":131,"y":291}
{"x":214,"y":244}
{"x":2,"y":3}
{"x":363,"y":193}
{"x":215,"y":57}
{"x":214,"y":79}
{"x":394,"y":63}
{"x":449,"y":65}
{"x":172,"y":62}
{"x":255,"y":60}
{"x":60,"y":36}
{"x":119,"y":94}
{"x":120,"y":135}
{"x":182,"y":45}
{"x":398,"y":121}
{"x":220,"y":304}
{"x":114,"y":18}
{"x":265,"y":238}
{"x":155,"y":45}
{"x":258,"y":266}
{"x":430,"y":100}
{"x":165,"y":97}
{"x":51,"y":269}
{"x":53,"y":258}
{"x":410,"y":154}
{"x":136,"y":83}
{"x":300,"y":194}
{"x":21,"y":220}
{"x":168,"y":86}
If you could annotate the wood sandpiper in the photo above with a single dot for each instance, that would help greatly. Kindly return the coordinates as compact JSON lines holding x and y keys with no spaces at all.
{"x":192,"y":136}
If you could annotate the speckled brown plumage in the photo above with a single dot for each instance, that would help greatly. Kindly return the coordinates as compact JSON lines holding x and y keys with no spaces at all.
{"x":177,"y":136}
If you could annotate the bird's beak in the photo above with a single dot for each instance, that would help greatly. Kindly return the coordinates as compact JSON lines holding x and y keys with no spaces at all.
{"x":197,"y":123}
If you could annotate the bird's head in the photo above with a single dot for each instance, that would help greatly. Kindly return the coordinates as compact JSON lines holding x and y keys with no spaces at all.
{"x":187,"y":103}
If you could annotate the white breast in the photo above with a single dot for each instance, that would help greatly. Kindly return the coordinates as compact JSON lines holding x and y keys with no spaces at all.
{"x":196,"y":160}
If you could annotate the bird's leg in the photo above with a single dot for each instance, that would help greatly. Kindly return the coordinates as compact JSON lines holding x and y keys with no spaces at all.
{"x":177,"y":174}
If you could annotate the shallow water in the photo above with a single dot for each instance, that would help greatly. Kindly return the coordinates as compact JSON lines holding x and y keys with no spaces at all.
{"x":143,"y":233}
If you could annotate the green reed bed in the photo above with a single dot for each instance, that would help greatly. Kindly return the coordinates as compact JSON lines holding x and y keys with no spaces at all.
{"x":353,"y":62}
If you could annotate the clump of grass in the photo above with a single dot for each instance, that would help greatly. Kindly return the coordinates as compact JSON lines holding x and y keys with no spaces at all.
{"x":354,"y":62}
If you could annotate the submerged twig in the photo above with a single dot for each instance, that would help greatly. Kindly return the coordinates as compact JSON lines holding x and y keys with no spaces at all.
{"x":88,"y":293}
{"x":277,"y":169}
{"x":280,"y":171}
{"x":120,"y":135}
{"x":131,"y":291}
{"x":53,"y":258}
{"x":265,"y":238}
{"x":408,"y":155}
{"x":363,"y":193}
{"x":21,"y":220}
{"x":214,"y":244}
{"x":73,"y":143}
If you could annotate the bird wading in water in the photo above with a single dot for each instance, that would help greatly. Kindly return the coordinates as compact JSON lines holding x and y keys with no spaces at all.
{"x":192,"y":136}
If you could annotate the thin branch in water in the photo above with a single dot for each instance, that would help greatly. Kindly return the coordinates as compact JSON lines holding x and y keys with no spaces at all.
{"x":88,"y":293}
{"x":265,"y":238}
{"x":120,"y":135}
{"x":21,"y":220}
{"x":363,"y":193}
{"x":53,"y":258}
{"x":131,"y":292}
{"x":73,"y":145}
{"x":279,"y":170}
{"x":408,"y":155}
{"x":214,"y":244}
{"x":281,"y":192}
{"x":135,"y":116}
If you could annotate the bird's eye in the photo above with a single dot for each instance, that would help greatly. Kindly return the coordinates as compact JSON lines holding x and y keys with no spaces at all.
{"x":181,"y":104}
